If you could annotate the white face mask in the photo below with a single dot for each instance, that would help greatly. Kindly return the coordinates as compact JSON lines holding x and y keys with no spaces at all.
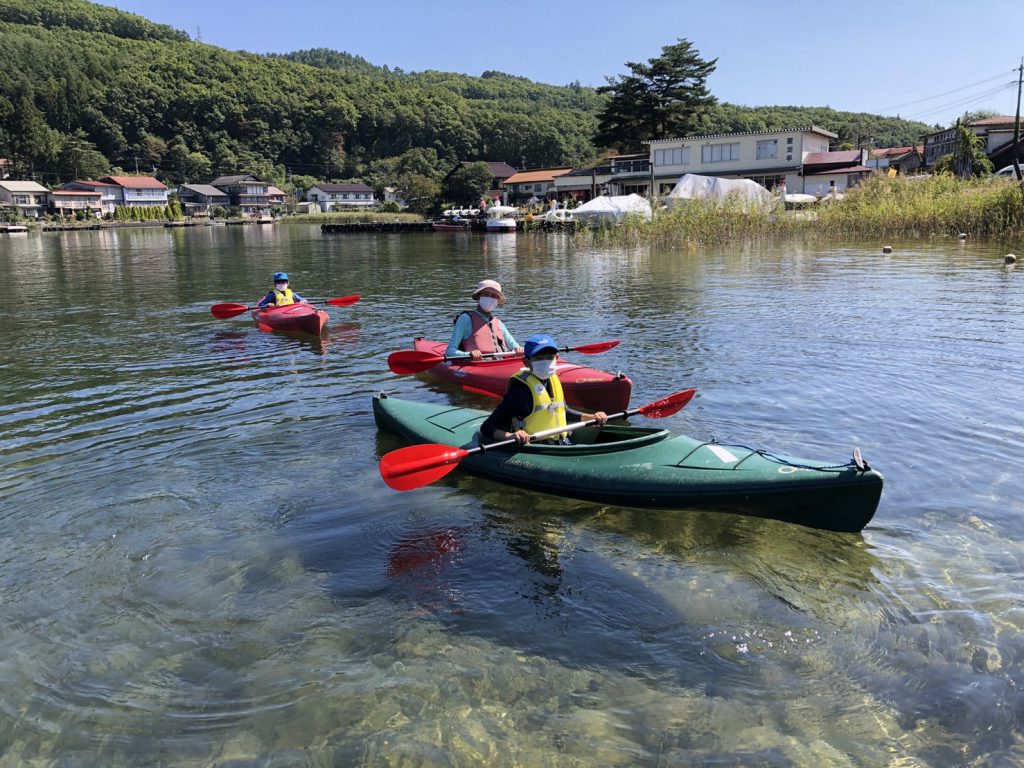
{"x":488,"y":303}
{"x":543,"y":369}
{"x":281,"y":286}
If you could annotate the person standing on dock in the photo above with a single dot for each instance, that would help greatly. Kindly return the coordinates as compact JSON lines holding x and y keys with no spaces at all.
{"x":479,"y":332}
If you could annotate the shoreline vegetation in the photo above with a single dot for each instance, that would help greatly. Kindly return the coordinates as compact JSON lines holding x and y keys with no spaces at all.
{"x":904,"y":207}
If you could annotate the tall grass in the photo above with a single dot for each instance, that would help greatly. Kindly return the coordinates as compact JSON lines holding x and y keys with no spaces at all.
{"x":900,"y":207}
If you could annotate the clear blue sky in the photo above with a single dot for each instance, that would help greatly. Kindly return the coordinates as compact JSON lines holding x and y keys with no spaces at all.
{"x":927,"y":60}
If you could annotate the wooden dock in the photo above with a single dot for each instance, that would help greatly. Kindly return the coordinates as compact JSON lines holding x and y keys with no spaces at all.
{"x":425,"y":226}
{"x":377,"y":226}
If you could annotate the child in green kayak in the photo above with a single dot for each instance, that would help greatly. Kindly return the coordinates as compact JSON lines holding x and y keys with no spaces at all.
{"x":534,"y":399}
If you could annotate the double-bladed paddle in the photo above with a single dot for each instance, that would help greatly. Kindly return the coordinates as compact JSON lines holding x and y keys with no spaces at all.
{"x":417,"y":465}
{"x":417,"y":361}
{"x":224,"y":311}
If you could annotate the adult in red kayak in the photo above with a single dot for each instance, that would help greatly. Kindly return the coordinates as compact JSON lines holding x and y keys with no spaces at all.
{"x":478,"y":332}
{"x":534,"y":399}
{"x":281,"y":293}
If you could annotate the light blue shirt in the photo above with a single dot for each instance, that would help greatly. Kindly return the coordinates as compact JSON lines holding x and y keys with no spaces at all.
{"x":464,"y":329}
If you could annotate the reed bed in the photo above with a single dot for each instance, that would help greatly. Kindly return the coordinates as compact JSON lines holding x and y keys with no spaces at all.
{"x":898,"y":208}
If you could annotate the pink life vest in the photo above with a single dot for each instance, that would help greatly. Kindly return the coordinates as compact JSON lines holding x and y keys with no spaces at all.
{"x":488,"y":336}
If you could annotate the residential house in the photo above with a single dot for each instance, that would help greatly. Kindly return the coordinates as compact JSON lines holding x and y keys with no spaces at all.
{"x":767,"y":157}
{"x":110,"y":193}
{"x":28,"y":197}
{"x":248,"y":193}
{"x":499,"y":172}
{"x":583,"y":184}
{"x":391,"y":195}
{"x":332,"y":197}
{"x":825,"y":172}
{"x":141,"y":191}
{"x":902,"y":159}
{"x":69,"y":202}
{"x":537,"y":183}
{"x":997,"y":133}
{"x":630,"y":174}
{"x":198,"y":199}
{"x":277,"y":196}
{"x":613,"y":175}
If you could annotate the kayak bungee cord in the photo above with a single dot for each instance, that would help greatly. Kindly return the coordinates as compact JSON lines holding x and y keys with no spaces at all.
{"x":857,"y":462}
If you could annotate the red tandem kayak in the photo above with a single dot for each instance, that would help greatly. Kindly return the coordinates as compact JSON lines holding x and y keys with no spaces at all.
{"x":586,"y":388}
{"x":292,"y":317}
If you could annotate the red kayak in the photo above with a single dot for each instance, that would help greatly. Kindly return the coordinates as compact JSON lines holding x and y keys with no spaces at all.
{"x":292,"y":317}
{"x":586,"y":388}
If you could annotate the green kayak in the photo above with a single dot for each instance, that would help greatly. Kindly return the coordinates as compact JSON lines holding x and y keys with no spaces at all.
{"x":642,"y":467}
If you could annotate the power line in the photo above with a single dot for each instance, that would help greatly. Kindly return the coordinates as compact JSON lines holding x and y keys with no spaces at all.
{"x":962,"y":102}
{"x":940,"y":95}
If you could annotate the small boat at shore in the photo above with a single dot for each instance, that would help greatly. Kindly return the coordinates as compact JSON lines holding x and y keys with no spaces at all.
{"x":449,"y":226}
{"x":648,"y":468}
{"x":585,"y":388}
{"x":292,"y":317}
{"x":499,"y":219}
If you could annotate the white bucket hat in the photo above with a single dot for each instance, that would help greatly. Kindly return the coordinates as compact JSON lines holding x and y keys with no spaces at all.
{"x":494,"y":285}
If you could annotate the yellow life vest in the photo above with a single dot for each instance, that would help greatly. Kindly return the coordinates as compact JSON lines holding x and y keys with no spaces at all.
{"x":548,"y":410}
{"x":281,"y":298}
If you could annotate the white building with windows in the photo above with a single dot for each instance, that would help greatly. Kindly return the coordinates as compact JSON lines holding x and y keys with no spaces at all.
{"x":109,"y":192}
{"x":27,"y":197}
{"x":767,"y":157}
{"x":142,"y":191}
{"x":330,"y":197}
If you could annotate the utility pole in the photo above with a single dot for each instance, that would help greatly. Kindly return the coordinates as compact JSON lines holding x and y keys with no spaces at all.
{"x":136,"y":164}
{"x":1016,"y":124}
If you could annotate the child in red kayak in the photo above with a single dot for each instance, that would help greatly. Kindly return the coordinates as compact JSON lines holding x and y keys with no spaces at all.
{"x":534,"y":399}
{"x":479,"y":332}
{"x":281,"y":293}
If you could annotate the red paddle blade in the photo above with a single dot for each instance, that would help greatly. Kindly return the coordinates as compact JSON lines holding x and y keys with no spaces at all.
{"x":343,"y":301}
{"x":593,"y":349}
{"x":224,"y":311}
{"x":412,"y":361}
{"x":478,"y":391}
{"x":419,"y":465}
{"x":659,"y":409}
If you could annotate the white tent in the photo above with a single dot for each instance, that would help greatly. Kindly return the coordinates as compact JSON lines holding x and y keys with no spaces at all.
{"x":611,"y":210}
{"x":798,"y":198}
{"x":691,"y":186}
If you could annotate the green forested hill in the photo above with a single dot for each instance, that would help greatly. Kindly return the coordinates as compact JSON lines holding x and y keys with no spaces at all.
{"x":87,"y":87}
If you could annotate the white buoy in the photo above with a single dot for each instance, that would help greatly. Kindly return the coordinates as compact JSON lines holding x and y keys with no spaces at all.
{"x":1010,"y":259}
{"x":886,"y":249}
{"x":963,"y":235}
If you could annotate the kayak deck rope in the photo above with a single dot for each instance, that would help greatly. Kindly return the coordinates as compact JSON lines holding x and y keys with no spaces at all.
{"x":857,"y":462}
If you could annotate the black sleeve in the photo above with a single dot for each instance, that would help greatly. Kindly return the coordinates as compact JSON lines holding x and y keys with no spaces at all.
{"x":517,"y":404}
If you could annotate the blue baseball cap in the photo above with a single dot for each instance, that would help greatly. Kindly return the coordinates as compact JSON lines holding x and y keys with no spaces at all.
{"x":537,"y":343}
{"x":280,"y":277}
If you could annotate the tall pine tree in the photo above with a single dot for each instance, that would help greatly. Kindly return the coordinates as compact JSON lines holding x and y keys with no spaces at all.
{"x":664,"y":98}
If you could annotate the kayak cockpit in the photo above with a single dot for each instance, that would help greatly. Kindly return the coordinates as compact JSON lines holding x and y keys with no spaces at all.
{"x":588,"y":441}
